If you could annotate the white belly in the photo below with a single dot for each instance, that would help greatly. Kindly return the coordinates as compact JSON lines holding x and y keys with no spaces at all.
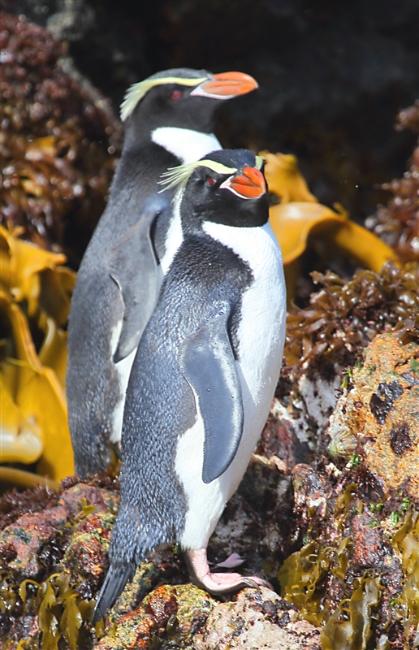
{"x":261,"y":339}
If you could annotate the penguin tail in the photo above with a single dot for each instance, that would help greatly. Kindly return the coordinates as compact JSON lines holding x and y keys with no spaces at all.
{"x":117,"y":577}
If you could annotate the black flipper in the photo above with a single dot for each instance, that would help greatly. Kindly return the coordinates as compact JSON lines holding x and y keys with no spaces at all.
{"x":210,"y":369}
{"x":136,"y":272}
{"x":117,"y":577}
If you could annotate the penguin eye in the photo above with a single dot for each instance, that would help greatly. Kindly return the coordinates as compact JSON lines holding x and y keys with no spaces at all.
{"x":211,"y":181}
{"x":176,"y":95}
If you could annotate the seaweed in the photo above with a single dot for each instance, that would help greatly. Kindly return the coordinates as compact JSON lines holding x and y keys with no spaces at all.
{"x":354,"y":575}
{"x":344,"y":316}
{"x":58,"y":143}
{"x":397,"y":223}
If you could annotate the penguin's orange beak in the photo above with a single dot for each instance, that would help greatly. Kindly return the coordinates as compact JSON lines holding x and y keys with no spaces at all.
{"x":249,"y":185}
{"x":226,"y":85}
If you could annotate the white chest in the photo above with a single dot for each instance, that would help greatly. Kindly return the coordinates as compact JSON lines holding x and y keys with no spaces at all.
{"x":262,"y":324}
{"x":261,"y":338}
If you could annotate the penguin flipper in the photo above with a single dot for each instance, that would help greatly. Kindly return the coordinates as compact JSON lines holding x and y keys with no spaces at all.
{"x":112,"y":587}
{"x":209,"y":367}
{"x":136,"y":272}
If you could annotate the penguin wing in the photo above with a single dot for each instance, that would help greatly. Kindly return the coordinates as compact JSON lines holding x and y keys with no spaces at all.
{"x":135,"y":270}
{"x":209,"y":367}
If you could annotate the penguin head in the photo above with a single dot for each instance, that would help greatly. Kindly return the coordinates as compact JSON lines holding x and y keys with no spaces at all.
{"x":226,"y":187}
{"x":181,"y":97}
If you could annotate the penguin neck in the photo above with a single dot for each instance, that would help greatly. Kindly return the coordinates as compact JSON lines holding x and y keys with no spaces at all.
{"x":186,"y":144}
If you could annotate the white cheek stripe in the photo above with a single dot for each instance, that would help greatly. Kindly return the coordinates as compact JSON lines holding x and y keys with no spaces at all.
{"x":199,"y":92}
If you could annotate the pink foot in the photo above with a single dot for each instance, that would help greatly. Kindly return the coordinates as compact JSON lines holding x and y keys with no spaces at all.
{"x":217,"y":583}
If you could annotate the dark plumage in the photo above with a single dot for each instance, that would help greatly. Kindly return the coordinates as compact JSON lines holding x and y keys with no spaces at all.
{"x":186,"y":375}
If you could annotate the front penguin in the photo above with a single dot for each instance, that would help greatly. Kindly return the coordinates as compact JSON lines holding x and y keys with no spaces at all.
{"x":205,"y":371}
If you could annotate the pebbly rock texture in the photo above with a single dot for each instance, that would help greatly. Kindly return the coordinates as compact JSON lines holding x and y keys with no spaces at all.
{"x":256,"y":619}
{"x":377,"y":416}
{"x":58,"y":141}
{"x":54,"y":556}
{"x":357,"y":572}
{"x":50,"y":561}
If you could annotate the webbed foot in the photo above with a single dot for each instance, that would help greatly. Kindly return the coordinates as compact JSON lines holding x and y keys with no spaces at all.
{"x":217,"y":583}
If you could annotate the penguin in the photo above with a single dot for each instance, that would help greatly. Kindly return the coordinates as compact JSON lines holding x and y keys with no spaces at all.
{"x":168,"y":120}
{"x":205,"y":371}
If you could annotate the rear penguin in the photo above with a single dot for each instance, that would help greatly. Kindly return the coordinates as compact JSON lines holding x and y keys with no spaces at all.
{"x":205,"y":371}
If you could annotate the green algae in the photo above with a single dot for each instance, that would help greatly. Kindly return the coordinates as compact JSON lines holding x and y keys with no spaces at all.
{"x":61,"y":612}
{"x":349,"y":628}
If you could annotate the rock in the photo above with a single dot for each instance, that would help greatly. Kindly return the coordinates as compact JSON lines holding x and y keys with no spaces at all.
{"x":166,"y":614}
{"x":256,"y":619}
{"x":54,"y":560}
{"x":358,"y":519}
{"x":327,"y":338}
{"x":377,"y":414}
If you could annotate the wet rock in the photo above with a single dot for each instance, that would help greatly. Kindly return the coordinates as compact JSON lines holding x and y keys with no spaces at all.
{"x":256,"y":619}
{"x":354,"y":574}
{"x":168,"y":614}
{"x":27,"y":535}
{"x":54,"y":560}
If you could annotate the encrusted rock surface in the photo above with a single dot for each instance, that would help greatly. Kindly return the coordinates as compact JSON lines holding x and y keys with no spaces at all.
{"x":327,"y":338}
{"x":377,"y":416}
{"x":53,"y":562}
{"x":358,"y":569}
{"x":256,"y":619}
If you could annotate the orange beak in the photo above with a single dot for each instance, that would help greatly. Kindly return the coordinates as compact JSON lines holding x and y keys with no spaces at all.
{"x":250,"y":185}
{"x":226,"y":85}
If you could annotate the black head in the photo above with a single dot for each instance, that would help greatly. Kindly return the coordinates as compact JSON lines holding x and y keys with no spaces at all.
{"x":180,"y":97}
{"x":226,"y":187}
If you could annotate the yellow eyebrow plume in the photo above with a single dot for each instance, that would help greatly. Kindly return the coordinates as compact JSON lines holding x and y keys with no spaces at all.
{"x":179,"y":175}
{"x":136,"y":92}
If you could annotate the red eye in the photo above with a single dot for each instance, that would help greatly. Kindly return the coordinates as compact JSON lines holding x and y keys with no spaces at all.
{"x":176,"y":95}
{"x":211,"y":181}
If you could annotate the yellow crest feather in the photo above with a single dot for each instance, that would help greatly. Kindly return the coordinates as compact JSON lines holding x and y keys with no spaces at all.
{"x":136,"y":92}
{"x":179,"y":175}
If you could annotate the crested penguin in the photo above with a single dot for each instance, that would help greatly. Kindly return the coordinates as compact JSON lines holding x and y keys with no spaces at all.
{"x":168,"y":120}
{"x":205,"y":371}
